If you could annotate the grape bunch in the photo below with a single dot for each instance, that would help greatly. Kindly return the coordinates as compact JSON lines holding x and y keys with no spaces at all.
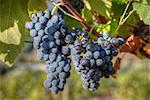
{"x":92,"y":59}
{"x":55,"y":45}
{"x":48,"y":33}
{"x":110,"y":49}
{"x":83,"y":59}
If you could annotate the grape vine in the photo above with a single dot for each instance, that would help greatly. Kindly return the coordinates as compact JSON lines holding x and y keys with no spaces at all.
{"x":59,"y":47}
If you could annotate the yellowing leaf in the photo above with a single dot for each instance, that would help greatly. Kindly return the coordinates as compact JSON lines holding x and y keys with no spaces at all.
{"x":11,"y":35}
{"x":14,"y":14}
{"x":87,"y":5}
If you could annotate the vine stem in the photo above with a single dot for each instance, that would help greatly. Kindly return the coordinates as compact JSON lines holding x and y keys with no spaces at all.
{"x":125,"y":19}
{"x":123,"y":15}
{"x":90,"y":32}
{"x":122,"y":19}
{"x":57,"y":5}
{"x":78,"y":16}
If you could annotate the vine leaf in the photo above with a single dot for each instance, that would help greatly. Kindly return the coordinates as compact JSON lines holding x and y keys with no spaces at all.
{"x":146,"y":50}
{"x":128,"y":27}
{"x":101,"y":6}
{"x":36,"y":5}
{"x":87,"y":15}
{"x":71,"y":23}
{"x":10,"y":18}
{"x":143,"y":9}
{"x":11,"y":35}
{"x":12,"y":28}
{"x":117,"y":9}
{"x":132,"y":45}
{"x":121,"y":1}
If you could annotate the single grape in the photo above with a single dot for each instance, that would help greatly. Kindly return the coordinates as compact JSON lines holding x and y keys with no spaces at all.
{"x":54,"y":89}
{"x":33,"y":33}
{"x":47,"y":83}
{"x":96,"y":54}
{"x":67,"y":68}
{"x":29,"y":25}
{"x":99,"y":62}
{"x":38,"y":26}
{"x":34,"y":18}
{"x":41,"y":32}
{"x":85,"y":62}
{"x":42,"y":19}
{"x":39,"y":14}
{"x":57,"y":35}
{"x":62,"y":63}
{"x":105,"y":35}
{"x":54,"y":19}
{"x":50,"y":76}
{"x":52,"y":57}
{"x":66,"y":50}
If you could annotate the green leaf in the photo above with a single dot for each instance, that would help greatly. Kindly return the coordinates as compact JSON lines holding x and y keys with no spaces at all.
{"x":101,"y":6}
{"x":128,"y":26}
{"x":12,"y":13}
{"x":12,"y":28}
{"x":72,"y":23}
{"x":143,"y":9}
{"x":113,"y":26}
{"x":9,"y":52}
{"x":87,"y":15}
{"x":36,"y":5}
{"x":123,"y":30}
{"x":117,"y":9}
{"x":133,"y":20}
{"x":121,"y":1}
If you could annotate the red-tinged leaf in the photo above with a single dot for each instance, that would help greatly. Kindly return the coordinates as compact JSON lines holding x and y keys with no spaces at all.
{"x":145,"y":50}
{"x":132,"y":45}
{"x":124,"y":48}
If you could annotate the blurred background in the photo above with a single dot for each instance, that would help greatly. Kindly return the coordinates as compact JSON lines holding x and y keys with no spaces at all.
{"x":24,"y":81}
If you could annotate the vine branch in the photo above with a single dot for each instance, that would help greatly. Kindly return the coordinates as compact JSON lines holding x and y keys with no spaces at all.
{"x":57,"y":5}
{"x":78,"y":16}
{"x":123,"y":19}
{"x":123,"y":15}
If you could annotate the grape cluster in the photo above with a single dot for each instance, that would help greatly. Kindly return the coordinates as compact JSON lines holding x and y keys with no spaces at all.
{"x":54,"y":44}
{"x":48,"y":33}
{"x":109,"y":48}
{"x":82,"y":52}
{"x":92,"y":59}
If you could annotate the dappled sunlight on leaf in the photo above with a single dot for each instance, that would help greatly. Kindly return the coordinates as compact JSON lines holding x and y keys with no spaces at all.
{"x":11,"y":35}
